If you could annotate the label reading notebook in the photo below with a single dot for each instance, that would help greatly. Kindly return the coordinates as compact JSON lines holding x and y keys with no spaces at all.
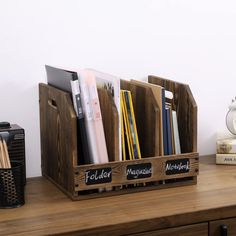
{"x":139,"y":171}
{"x":178,"y":166}
{"x":98,"y":176}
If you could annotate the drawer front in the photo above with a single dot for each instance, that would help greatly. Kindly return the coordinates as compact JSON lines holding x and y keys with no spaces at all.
{"x":226,"y":227}
{"x":189,"y":230}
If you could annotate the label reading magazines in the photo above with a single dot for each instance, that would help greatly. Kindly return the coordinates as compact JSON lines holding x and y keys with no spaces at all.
{"x":139,"y":171}
{"x":178,"y":166}
{"x":98,"y":176}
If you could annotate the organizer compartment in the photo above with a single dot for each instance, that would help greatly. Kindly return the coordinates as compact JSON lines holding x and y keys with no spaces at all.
{"x":59,"y":149}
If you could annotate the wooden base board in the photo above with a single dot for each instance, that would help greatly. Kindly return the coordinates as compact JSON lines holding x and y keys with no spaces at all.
{"x":83,"y":195}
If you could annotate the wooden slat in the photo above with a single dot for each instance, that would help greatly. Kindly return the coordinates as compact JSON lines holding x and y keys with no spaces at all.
{"x":147,"y":120}
{"x":119,"y":174}
{"x":110,"y":120}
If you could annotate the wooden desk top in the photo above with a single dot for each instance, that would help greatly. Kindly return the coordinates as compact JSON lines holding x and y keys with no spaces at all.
{"x":49,"y":211}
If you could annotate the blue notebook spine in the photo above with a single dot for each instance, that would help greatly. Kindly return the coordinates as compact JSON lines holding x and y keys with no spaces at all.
{"x":164,"y":124}
{"x":169,"y":133}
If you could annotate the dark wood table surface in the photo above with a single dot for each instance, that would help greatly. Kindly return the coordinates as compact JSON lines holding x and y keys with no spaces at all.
{"x":49,"y":211}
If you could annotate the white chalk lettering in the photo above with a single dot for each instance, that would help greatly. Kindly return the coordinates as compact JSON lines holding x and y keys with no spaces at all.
{"x":97,"y":175}
{"x":137,"y":172}
{"x":177,"y":167}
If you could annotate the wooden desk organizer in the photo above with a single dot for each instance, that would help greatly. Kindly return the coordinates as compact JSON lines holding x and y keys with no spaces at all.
{"x":59,"y":149}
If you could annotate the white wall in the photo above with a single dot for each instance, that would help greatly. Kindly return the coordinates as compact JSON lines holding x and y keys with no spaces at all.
{"x":188,"y":41}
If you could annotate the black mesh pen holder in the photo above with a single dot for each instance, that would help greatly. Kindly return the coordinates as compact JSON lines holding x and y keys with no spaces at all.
{"x":12,"y":186}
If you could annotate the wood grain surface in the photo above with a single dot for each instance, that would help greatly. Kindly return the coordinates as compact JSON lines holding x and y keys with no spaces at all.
{"x":190,"y":230}
{"x":146,"y":112}
{"x":58,"y":130}
{"x":110,"y":120}
{"x":48,"y":211}
{"x":119,"y":171}
{"x":186,"y":109}
{"x":215,"y":227}
{"x":60,"y":152}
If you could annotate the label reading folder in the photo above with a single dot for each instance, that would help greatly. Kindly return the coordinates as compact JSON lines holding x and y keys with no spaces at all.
{"x":139,"y":171}
{"x":178,"y":166}
{"x":98,"y":176}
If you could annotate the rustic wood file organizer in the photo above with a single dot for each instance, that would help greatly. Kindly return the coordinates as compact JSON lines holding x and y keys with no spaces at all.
{"x":59,"y":151}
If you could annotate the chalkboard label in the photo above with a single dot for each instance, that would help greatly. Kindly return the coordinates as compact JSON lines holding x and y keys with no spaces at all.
{"x":139,"y":171}
{"x":98,"y":176}
{"x":178,"y":166}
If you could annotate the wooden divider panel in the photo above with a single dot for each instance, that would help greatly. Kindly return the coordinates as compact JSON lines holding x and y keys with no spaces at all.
{"x":147,"y":118}
{"x":110,"y":120}
{"x":58,"y":126}
{"x":186,"y":110}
